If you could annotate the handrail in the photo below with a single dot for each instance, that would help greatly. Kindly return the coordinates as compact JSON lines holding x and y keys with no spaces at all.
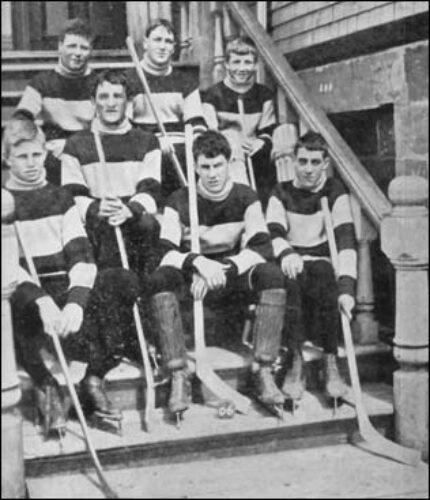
{"x":358,"y":179}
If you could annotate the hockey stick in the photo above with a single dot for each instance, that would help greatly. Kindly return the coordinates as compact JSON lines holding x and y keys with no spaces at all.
{"x":203,"y":369}
{"x":374,"y":442}
{"x":107,"y":490}
{"x":149,"y":378}
{"x":143,"y":80}
{"x":252,"y":307}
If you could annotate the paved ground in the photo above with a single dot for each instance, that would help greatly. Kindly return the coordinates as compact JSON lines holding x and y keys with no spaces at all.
{"x":341,"y":471}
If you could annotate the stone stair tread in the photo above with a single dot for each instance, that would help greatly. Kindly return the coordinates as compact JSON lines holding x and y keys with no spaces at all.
{"x":201,"y":421}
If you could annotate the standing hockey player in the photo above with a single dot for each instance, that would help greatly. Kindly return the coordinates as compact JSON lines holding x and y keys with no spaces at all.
{"x":235,"y":247}
{"x":87,"y":310}
{"x":249,"y":130}
{"x":295,"y":220}
{"x":175,"y":96}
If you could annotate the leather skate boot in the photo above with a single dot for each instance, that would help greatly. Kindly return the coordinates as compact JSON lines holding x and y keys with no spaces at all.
{"x":335,"y":387}
{"x":95,"y":403}
{"x":295,"y":381}
{"x":50,"y":407}
{"x":172,"y":343}
{"x":269,"y":320}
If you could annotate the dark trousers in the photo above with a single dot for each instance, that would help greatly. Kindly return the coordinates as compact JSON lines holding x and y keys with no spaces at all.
{"x":312,"y":308}
{"x":106,"y":335}
{"x":265,"y":174}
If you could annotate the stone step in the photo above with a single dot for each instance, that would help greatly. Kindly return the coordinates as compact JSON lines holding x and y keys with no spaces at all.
{"x":204,"y":435}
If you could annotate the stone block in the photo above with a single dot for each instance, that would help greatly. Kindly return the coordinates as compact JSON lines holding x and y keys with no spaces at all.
{"x":417,"y":72}
{"x":411,"y":129}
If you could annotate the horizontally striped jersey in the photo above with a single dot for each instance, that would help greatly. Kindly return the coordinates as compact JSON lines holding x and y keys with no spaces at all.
{"x":231,"y":230}
{"x":55,"y":238}
{"x":132,"y":170}
{"x":221,"y":111}
{"x":295,"y":220}
{"x":62,"y":102}
{"x":176,"y":99}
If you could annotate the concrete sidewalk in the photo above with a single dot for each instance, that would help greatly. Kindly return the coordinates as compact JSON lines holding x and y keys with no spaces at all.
{"x":342,"y":471}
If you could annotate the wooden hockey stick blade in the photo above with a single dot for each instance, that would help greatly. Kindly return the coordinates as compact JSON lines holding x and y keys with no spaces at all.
{"x":149,"y":414}
{"x":374,"y":442}
{"x":205,"y":372}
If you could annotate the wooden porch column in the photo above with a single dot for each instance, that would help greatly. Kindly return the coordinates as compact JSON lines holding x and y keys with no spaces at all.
{"x":12,"y":470}
{"x":364,"y":327}
{"x":218,"y":68}
{"x":184,"y":43}
{"x":404,"y":239}
{"x":6,"y":26}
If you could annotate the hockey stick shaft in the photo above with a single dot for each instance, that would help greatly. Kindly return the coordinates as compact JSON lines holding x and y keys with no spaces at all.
{"x":248,"y":160}
{"x":107,"y":490}
{"x":143,"y":80}
{"x":377,"y":443}
{"x":203,"y":368}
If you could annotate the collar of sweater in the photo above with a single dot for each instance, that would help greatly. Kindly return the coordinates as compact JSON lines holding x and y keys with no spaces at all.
{"x":63,"y":71}
{"x":120,"y":129}
{"x":297,"y":184}
{"x":18,"y":184}
{"x":151,"y":68}
{"x":240,"y":89}
{"x":202,"y":191}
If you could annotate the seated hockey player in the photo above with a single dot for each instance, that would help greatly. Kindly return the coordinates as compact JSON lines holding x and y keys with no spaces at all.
{"x":88,"y":310}
{"x":113,"y":172}
{"x":235,"y":248}
{"x":295,"y":220}
{"x":249,"y":133}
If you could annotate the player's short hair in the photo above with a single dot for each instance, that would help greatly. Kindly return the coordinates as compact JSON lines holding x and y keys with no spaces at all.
{"x":165,"y":23}
{"x":313,"y":141}
{"x":211,"y":143}
{"x":242,"y":45}
{"x":17,"y":130}
{"x":77,"y":26}
{"x":114,"y":76}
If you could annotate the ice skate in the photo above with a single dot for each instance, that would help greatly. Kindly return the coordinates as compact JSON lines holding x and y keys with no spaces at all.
{"x":335,"y":388}
{"x":295,"y":381}
{"x":50,"y":408}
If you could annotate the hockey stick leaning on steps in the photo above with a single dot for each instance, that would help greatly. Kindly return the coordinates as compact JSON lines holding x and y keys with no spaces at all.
{"x":107,"y":490}
{"x":250,"y":167}
{"x":374,"y":442}
{"x":143,"y":80}
{"x":149,"y":415}
{"x":203,"y":369}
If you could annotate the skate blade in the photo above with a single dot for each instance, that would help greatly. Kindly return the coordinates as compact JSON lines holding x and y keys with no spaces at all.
{"x":334,"y":404}
{"x":275,"y":410}
{"x":111,"y":425}
{"x":179,"y":417}
{"x":291,"y":405}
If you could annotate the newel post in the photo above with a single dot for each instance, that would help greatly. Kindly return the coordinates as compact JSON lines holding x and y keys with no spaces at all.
{"x":12,"y":470}
{"x":404,"y":239}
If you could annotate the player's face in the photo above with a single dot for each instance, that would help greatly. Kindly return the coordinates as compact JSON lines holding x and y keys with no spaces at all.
{"x":74,"y":52}
{"x":26,"y":160}
{"x":111,"y":102}
{"x":213,"y":172}
{"x":159,"y":46}
{"x":309,"y":167}
{"x":241,"y":68}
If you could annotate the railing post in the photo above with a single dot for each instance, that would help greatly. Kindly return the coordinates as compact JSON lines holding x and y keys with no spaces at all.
{"x":365,"y":328}
{"x":12,"y":469}
{"x":184,"y":44}
{"x":404,"y":239}
{"x":218,"y":68}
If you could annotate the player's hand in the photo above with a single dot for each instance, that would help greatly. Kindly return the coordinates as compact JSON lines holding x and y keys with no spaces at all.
{"x":212,"y":271}
{"x":252,"y":145}
{"x":292,"y":265}
{"x":72,"y":316}
{"x":346,"y":304}
{"x":109,"y":205}
{"x":50,"y":314}
{"x":199,"y":287}
{"x":120,"y":216}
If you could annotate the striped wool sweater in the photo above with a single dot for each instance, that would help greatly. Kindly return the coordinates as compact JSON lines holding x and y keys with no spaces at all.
{"x":231,"y":230}
{"x":221,"y":111}
{"x":296,"y":224}
{"x":56,"y":239}
{"x":62,"y":102}
{"x":132,"y":170}
{"x":176,"y":99}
